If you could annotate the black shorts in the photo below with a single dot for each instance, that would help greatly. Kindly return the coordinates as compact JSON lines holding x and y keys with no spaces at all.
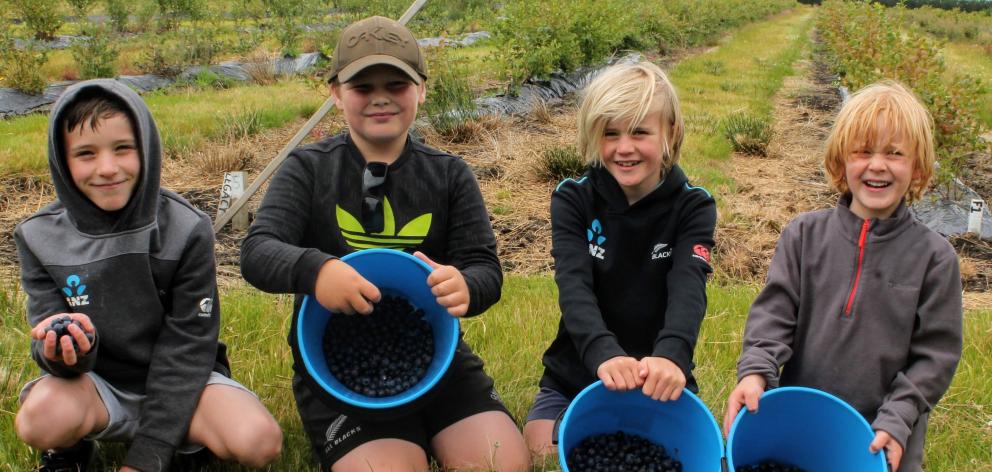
{"x":467,"y":391}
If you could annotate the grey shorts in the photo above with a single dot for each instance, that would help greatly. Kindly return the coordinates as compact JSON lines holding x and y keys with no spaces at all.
{"x":124,"y":408}
{"x":548,"y":404}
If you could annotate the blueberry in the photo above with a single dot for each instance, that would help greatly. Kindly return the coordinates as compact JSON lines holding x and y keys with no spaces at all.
{"x":390,"y":348}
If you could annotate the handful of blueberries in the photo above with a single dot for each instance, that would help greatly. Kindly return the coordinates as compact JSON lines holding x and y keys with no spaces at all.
{"x":61,"y":328}
{"x":769,"y":466}
{"x":620,"y":451}
{"x":381,"y":354}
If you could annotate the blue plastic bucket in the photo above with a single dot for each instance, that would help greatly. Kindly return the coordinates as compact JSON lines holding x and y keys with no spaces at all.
{"x":806,"y":428}
{"x":394,"y":273}
{"x":685,"y":426}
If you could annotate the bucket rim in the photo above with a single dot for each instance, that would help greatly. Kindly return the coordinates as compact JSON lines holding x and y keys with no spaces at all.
{"x":779,"y":391}
{"x":692,"y":398}
{"x":381,"y":403}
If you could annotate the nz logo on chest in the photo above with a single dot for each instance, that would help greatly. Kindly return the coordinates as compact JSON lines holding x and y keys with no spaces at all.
{"x":75,"y":291}
{"x":596,"y":239}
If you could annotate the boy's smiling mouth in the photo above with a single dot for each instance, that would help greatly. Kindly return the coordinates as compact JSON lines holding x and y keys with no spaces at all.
{"x":626,"y":163}
{"x":877,"y":184}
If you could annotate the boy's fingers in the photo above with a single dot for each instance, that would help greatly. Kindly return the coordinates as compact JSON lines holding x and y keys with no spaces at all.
{"x":68,"y":352}
{"x":49,"y":345}
{"x":80,"y":336}
{"x":878,"y":442}
{"x":360,"y":304}
{"x":369,"y":291}
{"x":677,"y":393}
{"x":427,"y":260}
{"x":85,"y":321}
{"x":751,"y":400}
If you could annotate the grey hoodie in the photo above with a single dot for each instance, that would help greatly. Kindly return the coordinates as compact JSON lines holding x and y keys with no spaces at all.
{"x":868,"y":310}
{"x":144,"y":274}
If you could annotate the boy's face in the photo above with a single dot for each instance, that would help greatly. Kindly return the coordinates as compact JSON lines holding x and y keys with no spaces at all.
{"x":104,"y":163}
{"x":879,"y":174}
{"x":379,"y":104}
{"x":634,"y":158}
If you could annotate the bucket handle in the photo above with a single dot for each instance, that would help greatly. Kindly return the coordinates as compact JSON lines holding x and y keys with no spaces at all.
{"x":554,"y":430}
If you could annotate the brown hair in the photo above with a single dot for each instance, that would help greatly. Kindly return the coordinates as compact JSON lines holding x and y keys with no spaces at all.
{"x":91,"y":109}
{"x":901,"y":112}
{"x":629,"y":92}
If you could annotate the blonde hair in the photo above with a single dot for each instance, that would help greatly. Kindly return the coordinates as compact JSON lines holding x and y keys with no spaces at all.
{"x":629,"y":92}
{"x":901,"y":112}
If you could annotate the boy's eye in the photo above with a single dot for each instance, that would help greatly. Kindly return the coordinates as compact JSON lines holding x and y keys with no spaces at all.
{"x":610,"y":133}
{"x":398,"y":86}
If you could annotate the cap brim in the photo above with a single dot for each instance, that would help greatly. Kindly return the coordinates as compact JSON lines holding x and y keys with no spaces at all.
{"x":359,"y":65}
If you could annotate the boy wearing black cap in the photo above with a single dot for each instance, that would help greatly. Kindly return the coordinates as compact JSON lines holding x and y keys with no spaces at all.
{"x":373,"y":186}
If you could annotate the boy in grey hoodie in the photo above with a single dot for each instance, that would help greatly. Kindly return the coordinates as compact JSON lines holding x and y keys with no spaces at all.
{"x":132,"y":265}
{"x":863,"y":301}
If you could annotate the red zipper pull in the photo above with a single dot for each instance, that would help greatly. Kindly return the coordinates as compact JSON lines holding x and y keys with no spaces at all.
{"x":857,"y":274}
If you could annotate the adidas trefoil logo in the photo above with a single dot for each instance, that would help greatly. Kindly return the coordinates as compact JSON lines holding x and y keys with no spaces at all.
{"x":74,"y":291}
{"x":411,"y":235}
{"x":595,"y":237}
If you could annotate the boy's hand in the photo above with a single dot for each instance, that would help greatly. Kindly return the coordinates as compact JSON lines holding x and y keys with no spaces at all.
{"x":893,"y":450}
{"x":620,"y":373}
{"x":81,"y":337}
{"x":747,"y":392}
{"x":448,"y":286}
{"x":663,"y":379}
{"x":342,"y":289}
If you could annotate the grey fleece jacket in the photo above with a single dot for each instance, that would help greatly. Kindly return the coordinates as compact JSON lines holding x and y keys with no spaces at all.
{"x":144,"y":274}
{"x":868,"y":310}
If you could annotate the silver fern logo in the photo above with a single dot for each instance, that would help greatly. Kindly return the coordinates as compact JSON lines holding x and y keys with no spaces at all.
{"x":332,"y":430}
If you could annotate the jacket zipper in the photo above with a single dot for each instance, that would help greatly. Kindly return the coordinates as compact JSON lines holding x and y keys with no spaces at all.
{"x":857,"y":274}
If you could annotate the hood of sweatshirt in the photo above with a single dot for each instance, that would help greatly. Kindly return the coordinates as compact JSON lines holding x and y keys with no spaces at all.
{"x":141,"y":210}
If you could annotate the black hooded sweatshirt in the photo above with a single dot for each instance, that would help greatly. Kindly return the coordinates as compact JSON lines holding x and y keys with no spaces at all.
{"x":631,"y":278}
{"x":144,"y":274}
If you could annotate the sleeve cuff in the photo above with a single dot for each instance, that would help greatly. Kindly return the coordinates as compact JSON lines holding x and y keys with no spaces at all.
{"x":149,"y":454}
{"x":677,"y":351}
{"x":600,"y":351}
{"x":897,"y":419}
{"x":307,"y":270}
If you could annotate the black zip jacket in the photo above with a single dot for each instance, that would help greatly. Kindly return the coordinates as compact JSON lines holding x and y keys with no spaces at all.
{"x":631,"y":278}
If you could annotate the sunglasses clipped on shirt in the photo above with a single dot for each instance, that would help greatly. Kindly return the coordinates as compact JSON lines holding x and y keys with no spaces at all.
{"x":373,"y":190}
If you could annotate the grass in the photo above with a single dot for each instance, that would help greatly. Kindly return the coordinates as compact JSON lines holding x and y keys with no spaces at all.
{"x":186,"y":117}
{"x":973,"y":60}
{"x":757,"y":57}
{"x":510,"y":337}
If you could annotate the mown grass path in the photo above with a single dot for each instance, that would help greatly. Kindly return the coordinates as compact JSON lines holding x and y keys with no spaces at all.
{"x":971,"y":59}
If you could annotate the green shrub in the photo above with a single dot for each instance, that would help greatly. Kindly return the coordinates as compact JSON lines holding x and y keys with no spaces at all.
{"x":559,"y":163}
{"x":200,"y":45}
{"x":119,"y":11}
{"x":42,"y":17}
{"x":449,"y":97}
{"x":95,"y":57}
{"x":170,"y":12}
{"x":81,"y":7}
{"x":748,"y":134}
{"x":168,"y":58}
{"x":21,"y":68}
